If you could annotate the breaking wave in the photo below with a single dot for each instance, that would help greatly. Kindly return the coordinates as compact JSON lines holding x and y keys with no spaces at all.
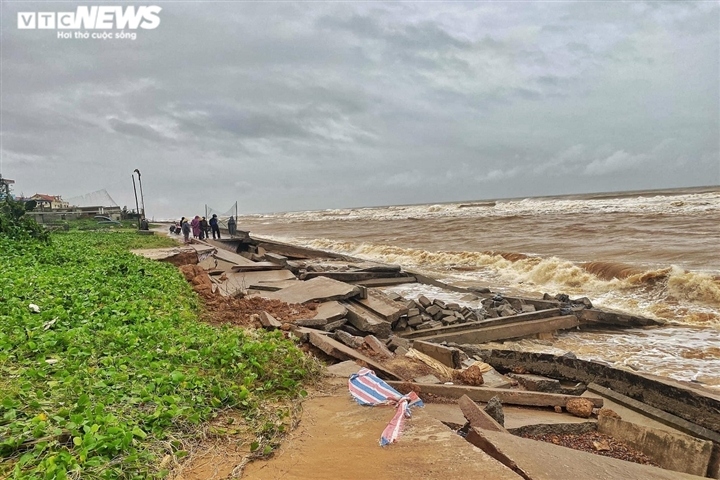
{"x":671,"y":293}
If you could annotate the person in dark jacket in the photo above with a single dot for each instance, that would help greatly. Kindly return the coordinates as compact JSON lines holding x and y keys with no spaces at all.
{"x":232,"y":226}
{"x":186,"y":229}
{"x":214,"y":226}
{"x":204,"y":229}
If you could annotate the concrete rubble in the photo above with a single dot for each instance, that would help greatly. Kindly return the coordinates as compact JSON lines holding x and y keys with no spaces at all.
{"x":433,"y":347}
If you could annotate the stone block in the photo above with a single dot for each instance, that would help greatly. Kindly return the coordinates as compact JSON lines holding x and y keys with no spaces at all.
{"x":424,"y":301}
{"x":433,"y":310}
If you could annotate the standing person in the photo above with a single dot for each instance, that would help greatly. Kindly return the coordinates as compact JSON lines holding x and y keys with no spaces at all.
{"x":185,"y":227}
{"x":214,"y":226}
{"x":204,"y":228}
{"x":232,"y":226}
{"x":195,"y":224}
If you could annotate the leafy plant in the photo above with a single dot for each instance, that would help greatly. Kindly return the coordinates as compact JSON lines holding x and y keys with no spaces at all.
{"x":115,"y":364}
{"x":14,"y":224}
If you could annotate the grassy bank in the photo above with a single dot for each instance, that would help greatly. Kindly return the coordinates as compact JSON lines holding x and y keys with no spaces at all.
{"x":115,"y":371}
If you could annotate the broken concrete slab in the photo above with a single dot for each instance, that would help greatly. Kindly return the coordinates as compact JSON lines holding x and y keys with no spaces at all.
{"x":257,"y":267}
{"x":177,"y":256}
{"x":231,"y":257}
{"x":352,"y":341}
{"x":272,"y":286}
{"x":311,"y":322}
{"x":523,"y":317}
{"x":275,"y":258}
{"x":344,"y":369}
{"x":377,"y":346}
{"x":506,"y":396}
{"x":237,"y":283}
{"x":334,"y":325}
{"x":268,"y":321}
{"x":350,"y":276}
{"x":656,"y":414}
{"x":536,"y":383}
{"x":697,"y":406}
{"x":506,"y":332}
{"x":377,"y":267}
{"x":478,"y":417}
{"x":320,"y":288}
{"x":367,"y":321}
{"x":450,"y":357}
{"x":670,"y":450}
{"x":331,"y":311}
{"x":303,"y":333}
{"x":494,"y":379}
{"x":385,"y":282}
{"x":544,"y":461}
{"x":591,"y":315}
{"x":383,"y":306}
{"x":343,"y":352}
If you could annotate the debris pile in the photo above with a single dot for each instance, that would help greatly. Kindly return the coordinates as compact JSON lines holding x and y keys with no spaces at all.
{"x":597,"y":443}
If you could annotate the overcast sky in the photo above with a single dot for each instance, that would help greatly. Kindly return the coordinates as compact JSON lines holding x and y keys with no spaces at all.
{"x":293,"y":106}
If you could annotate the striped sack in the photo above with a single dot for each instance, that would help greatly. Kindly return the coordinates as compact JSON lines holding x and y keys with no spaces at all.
{"x":369,"y":390}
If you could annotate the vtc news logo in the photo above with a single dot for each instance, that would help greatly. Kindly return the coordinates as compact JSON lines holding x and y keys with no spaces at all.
{"x":93,"y":18}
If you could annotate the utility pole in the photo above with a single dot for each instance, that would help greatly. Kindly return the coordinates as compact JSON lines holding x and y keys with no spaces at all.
{"x":137,"y":207}
{"x":142,"y":197}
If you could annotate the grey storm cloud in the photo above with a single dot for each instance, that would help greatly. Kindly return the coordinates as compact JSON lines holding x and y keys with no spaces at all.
{"x":287,"y":106}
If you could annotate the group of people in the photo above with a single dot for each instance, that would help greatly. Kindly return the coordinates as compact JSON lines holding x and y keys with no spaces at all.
{"x":201,"y":227}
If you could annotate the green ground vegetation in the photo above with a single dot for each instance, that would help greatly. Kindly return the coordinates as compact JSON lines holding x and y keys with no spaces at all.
{"x":115,"y":372}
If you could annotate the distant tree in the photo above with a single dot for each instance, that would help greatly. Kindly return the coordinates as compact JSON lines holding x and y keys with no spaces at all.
{"x":15,"y":225}
{"x":5,"y":190}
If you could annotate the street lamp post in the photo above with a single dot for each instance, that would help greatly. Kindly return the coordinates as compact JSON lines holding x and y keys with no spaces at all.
{"x":142,"y":197}
{"x":137,"y":207}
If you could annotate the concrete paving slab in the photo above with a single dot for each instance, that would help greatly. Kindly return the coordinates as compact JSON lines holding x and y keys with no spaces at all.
{"x":232,"y":257}
{"x":239,"y":282}
{"x":366,"y":321}
{"x":506,"y":396}
{"x":319,"y":288}
{"x":545,"y":461}
{"x":331,"y":311}
{"x":338,"y":439}
{"x":382,"y":305}
{"x":505,"y":332}
{"x":448,"y":413}
{"x":344,"y":369}
{"x":273,"y":286}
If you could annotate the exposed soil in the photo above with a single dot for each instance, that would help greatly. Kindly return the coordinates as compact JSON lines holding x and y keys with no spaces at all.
{"x":221,"y":310}
{"x":227,"y":310}
{"x":596,"y":443}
